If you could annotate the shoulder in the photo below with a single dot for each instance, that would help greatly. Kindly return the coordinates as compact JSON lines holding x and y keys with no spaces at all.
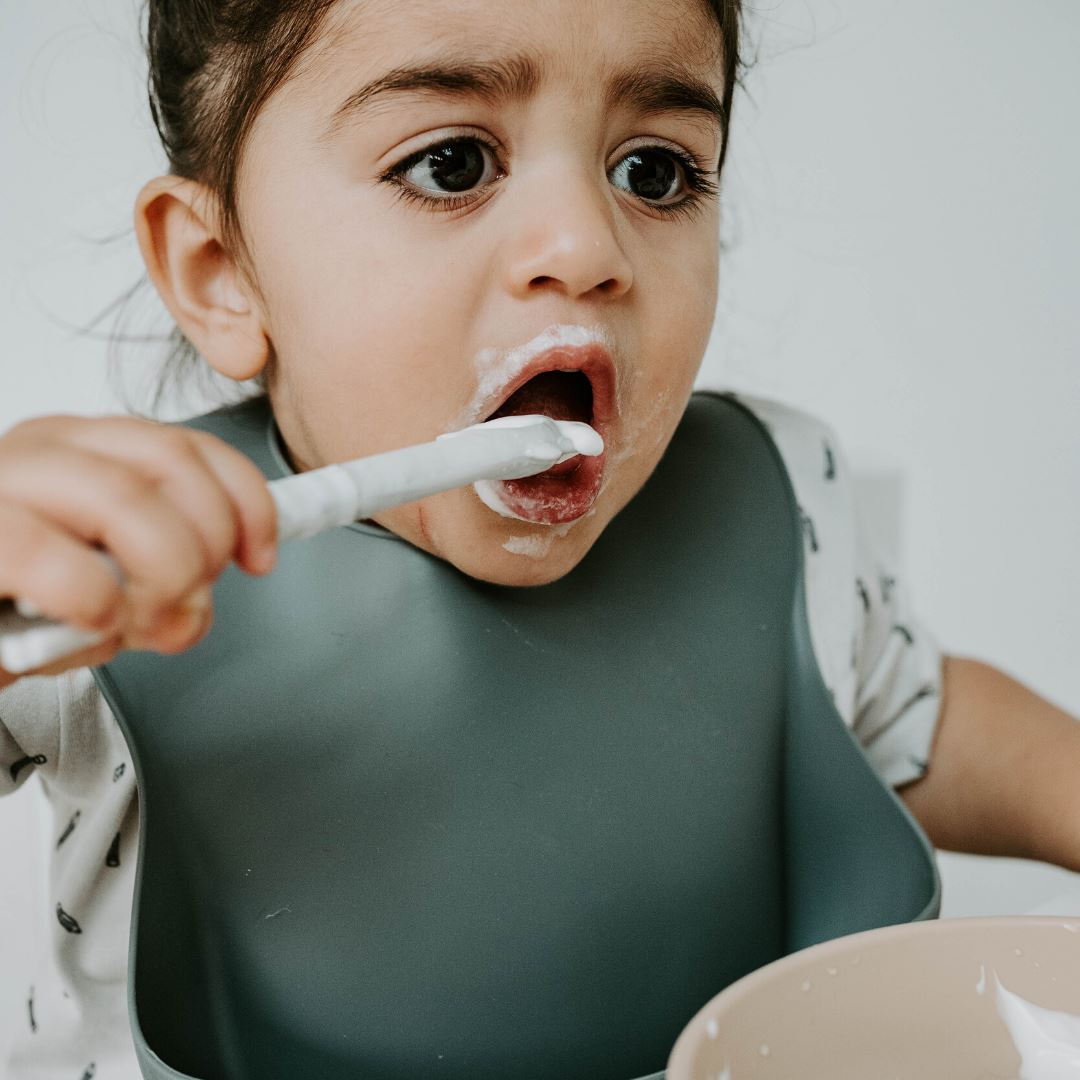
{"x":821,"y":483}
{"x":814,"y":460}
{"x":30,"y":708}
{"x":798,"y":434}
{"x":63,"y":726}
{"x":881,"y":665}
{"x":29,"y":730}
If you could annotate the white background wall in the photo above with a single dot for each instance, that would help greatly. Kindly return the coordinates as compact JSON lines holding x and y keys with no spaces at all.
{"x":902,"y":210}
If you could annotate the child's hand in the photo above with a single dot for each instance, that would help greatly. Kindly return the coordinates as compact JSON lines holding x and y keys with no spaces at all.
{"x":171,"y":506}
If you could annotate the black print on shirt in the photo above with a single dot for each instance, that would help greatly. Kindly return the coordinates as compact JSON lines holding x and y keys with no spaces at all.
{"x":118,"y":772}
{"x":905,"y":633}
{"x":22,"y":763}
{"x":861,"y":586}
{"x":886,"y":584}
{"x":113,"y":858}
{"x":922,"y":692}
{"x":67,"y":922}
{"x":90,"y":1070}
{"x":830,"y":463}
{"x":808,"y":528}
{"x":70,"y":828}
{"x":30,"y":1009}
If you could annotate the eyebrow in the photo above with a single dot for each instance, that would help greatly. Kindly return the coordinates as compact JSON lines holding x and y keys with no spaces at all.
{"x":648,"y":89}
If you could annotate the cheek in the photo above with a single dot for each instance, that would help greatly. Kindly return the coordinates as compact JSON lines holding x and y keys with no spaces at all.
{"x":675,"y":335}
{"x":679,"y":289}
{"x":363,"y":292}
{"x":692,"y":292}
{"x":682,"y":310}
{"x":365,"y":318}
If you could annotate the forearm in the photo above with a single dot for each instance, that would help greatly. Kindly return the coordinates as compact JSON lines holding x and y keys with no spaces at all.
{"x":1004,"y":775}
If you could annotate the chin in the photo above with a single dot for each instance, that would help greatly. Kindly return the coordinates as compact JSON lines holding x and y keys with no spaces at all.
{"x":528,"y":566}
{"x":457,"y":527}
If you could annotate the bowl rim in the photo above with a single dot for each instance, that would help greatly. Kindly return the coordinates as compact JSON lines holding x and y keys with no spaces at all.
{"x":695,"y":1029}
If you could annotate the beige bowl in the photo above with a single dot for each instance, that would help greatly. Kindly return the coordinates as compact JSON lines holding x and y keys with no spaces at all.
{"x":912,"y":1002}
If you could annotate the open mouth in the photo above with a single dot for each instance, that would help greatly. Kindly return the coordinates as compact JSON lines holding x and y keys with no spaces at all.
{"x":581,"y":389}
{"x":562,"y":395}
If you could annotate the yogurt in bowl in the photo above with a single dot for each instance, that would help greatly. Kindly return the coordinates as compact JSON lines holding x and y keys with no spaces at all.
{"x":949,"y":999}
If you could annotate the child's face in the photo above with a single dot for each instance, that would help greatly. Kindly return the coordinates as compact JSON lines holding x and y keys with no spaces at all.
{"x":393,"y":320}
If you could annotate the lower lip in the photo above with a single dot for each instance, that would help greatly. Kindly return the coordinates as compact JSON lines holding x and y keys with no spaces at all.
{"x":560,"y":495}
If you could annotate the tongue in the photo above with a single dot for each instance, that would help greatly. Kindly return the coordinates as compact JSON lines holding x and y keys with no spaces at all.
{"x":559,"y":394}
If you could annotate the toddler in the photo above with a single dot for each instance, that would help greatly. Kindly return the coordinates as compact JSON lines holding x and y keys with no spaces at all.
{"x":396,"y":218}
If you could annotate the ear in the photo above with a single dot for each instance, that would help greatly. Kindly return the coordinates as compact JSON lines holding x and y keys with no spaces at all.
{"x":179,"y":236}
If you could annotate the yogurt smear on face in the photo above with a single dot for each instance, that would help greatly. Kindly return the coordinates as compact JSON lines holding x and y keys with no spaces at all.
{"x":490,"y":492}
{"x":499,"y":367}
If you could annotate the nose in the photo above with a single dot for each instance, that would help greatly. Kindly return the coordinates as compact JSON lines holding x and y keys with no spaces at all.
{"x":564,"y":238}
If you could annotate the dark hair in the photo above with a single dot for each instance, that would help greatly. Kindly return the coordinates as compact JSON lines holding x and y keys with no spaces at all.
{"x":214,"y":63}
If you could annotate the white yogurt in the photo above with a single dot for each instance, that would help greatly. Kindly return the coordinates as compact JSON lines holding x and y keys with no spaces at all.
{"x":536,"y":547}
{"x":496,"y":368}
{"x":580,"y":439}
{"x":490,"y":492}
{"x":1048,"y":1041}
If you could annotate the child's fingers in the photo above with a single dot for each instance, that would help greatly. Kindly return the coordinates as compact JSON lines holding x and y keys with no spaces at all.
{"x":180,"y":630}
{"x":172,"y":457}
{"x":103,"y":500}
{"x":177,"y":629}
{"x":251,"y":497}
{"x":67,"y":581}
{"x":170,"y":505}
{"x":63,"y":577}
{"x":174,"y":454}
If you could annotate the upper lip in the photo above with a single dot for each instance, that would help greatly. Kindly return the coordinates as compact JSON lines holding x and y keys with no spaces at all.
{"x":592,"y":360}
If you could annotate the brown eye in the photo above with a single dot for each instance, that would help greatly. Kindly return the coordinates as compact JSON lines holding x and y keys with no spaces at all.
{"x":451,"y":168}
{"x":650,"y":174}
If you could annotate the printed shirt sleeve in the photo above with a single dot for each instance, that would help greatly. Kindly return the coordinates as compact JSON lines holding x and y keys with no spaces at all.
{"x":29,"y":731}
{"x":74,"y":1022}
{"x":880,"y":663}
{"x":59,"y":728}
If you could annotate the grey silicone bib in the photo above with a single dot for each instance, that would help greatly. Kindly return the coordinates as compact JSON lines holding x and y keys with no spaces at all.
{"x":398,"y":823}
